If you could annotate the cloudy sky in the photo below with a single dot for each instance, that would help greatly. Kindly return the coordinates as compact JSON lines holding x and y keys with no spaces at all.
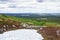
{"x":29,"y":6}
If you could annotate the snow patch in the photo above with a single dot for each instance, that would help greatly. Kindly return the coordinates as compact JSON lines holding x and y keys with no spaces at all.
{"x":22,"y":34}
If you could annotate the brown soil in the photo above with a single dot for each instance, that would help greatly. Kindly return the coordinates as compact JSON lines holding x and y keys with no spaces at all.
{"x":50,"y":33}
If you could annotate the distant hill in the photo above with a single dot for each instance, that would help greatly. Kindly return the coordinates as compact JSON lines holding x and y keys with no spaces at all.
{"x":36,"y":15}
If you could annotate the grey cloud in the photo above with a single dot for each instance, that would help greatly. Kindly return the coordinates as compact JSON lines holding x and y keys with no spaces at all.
{"x":40,"y":0}
{"x":3,"y":0}
{"x":13,"y":6}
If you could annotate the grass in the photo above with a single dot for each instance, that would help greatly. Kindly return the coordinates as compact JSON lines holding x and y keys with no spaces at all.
{"x":31,"y":20}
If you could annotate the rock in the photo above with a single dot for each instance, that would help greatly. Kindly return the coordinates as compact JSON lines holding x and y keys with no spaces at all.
{"x":1,"y":30}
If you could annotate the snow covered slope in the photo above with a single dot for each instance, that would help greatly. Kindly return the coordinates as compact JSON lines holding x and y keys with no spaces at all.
{"x":22,"y":34}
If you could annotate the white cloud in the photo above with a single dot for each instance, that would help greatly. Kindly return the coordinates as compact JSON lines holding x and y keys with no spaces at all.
{"x":21,"y":6}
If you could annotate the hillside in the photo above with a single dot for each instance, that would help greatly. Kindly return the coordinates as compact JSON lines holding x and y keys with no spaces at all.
{"x":12,"y":22}
{"x":35,"y":21}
